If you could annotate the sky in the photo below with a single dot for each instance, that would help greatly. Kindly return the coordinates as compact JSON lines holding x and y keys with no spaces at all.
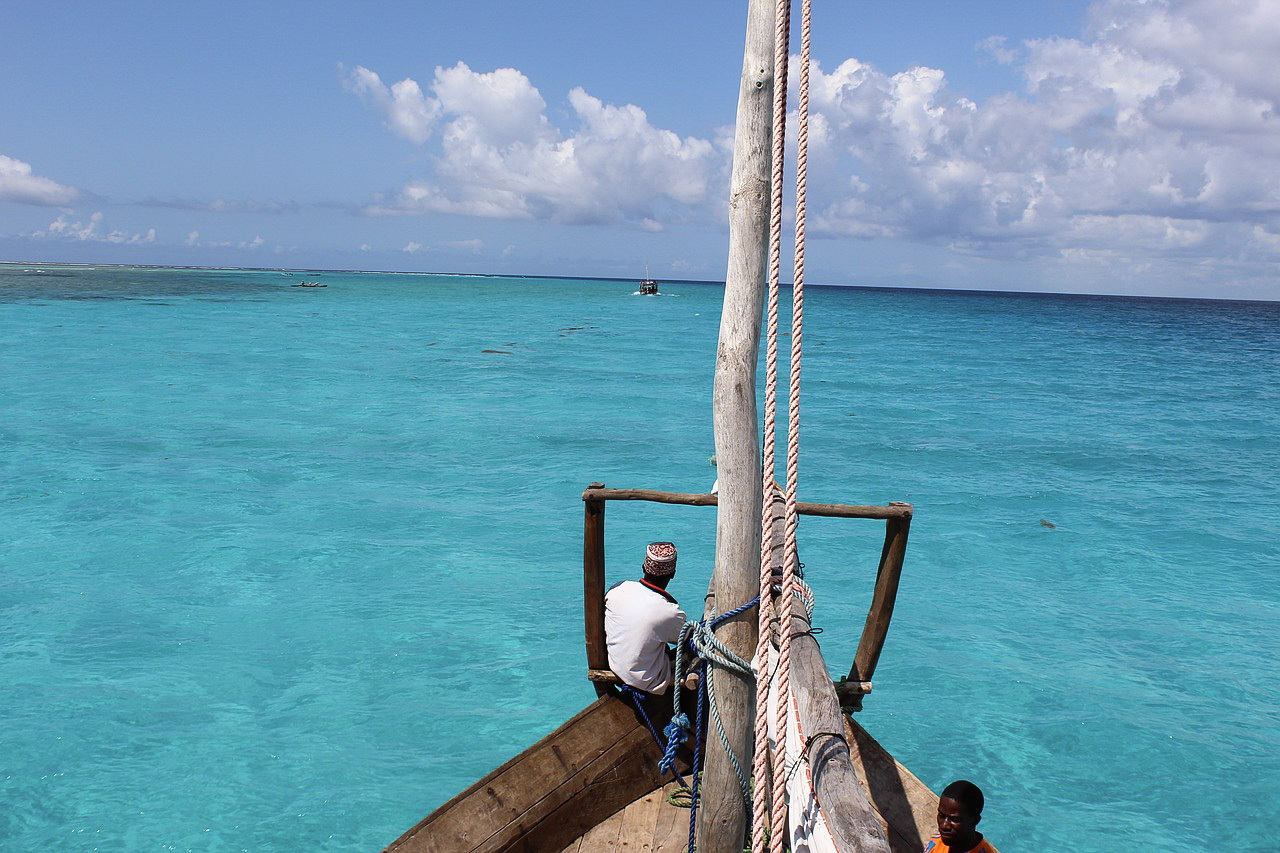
{"x":1119,"y":146}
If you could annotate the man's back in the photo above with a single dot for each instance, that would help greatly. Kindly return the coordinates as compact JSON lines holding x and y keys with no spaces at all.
{"x":640,"y":619}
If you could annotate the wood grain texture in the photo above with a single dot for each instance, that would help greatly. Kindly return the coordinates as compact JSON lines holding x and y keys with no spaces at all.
{"x":907,"y":808}
{"x":553,"y":792}
{"x":593,"y":576}
{"x":722,"y":818}
{"x":893,"y":510}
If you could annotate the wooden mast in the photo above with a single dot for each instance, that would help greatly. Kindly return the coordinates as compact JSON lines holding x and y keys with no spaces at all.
{"x":722,"y":815}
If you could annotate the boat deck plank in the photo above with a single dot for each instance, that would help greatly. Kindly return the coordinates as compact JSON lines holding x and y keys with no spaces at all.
{"x":650,"y":824}
{"x":672,"y":833}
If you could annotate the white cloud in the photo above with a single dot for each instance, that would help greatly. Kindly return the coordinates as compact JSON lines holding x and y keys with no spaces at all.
{"x":406,"y":111}
{"x":131,"y":239}
{"x":412,"y":247}
{"x":1222,"y":40}
{"x":499,"y":155}
{"x":76,"y":230}
{"x":1267,"y":241}
{"x":1156,"y":133}
{"x":498,"y":109}
{"x":18,"y":184}
{"x":996,"y":47}
{"x":91,"y":231}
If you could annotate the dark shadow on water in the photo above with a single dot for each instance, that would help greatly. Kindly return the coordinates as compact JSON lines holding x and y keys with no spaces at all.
{"x":18,"y":285}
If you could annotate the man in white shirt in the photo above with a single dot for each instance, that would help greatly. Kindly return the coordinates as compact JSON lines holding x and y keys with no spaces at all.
{"x":640,"y":619}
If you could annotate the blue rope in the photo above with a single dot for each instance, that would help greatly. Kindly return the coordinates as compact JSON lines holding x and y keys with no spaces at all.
{"x":677,"y":732}
{"x":732,"y":613}
{"x":717,"y":653}
{"x":637,"y":699}
{"x":697,"y":757}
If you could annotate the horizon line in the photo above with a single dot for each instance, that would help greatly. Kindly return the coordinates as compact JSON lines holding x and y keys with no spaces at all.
{"x":712,"y":282}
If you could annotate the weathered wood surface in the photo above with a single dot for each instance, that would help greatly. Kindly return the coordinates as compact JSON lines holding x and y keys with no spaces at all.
{"x":722,"y":818}
{"x":845,"y":804}
{"x":882,"y":601}
{"x":593,"y":580}
{"x":555,"y":791}
{"x":893,"y":510}
{"x":593,"y":785}
{"x":648,"y":825}
{"x":903,"y":806}
{"x":853,"y":823}
{"x":907,"y":809}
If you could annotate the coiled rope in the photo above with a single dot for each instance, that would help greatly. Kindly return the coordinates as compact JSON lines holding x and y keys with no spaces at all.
{"x":700,"y":637}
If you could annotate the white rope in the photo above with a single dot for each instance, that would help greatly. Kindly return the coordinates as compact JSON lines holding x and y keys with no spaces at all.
{"x":763,"y":761}
{"x":766,"y":765}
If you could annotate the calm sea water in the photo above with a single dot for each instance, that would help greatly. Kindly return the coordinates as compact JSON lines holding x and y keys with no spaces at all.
{"x":286,"y":568}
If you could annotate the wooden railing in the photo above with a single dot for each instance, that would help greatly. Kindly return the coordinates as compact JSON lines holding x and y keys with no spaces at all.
{"x":897,"y":518}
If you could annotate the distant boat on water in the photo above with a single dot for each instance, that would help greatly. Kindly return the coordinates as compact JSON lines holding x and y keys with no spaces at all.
{"x":648,"y":286}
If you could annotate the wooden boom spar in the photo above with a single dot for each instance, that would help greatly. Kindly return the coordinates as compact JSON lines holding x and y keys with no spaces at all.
{"x":897,"y":516}
{"x":896,"y":509}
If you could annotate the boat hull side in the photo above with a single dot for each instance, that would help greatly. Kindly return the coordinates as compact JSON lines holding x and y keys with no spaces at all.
{"x":552,"y":793}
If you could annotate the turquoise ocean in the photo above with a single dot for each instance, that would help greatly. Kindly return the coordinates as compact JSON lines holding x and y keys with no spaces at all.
{"x":283,"y":569}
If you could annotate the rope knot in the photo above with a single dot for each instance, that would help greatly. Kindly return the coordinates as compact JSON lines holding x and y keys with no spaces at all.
{"x":677,"y":732}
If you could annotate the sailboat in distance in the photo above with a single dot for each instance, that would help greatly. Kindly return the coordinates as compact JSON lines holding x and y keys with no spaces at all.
{"x":648,"y":286}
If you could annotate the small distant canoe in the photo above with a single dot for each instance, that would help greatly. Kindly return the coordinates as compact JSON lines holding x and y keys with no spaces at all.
{"x":310,"y":284}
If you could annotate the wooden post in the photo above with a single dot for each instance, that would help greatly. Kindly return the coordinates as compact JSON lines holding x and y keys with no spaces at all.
{"x":881,"y":611}
{"x":722,"y":815}
{"x":593,"y":580}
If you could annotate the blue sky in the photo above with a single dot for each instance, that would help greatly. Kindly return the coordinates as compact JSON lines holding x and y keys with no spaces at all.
{"x":1121,"y":146}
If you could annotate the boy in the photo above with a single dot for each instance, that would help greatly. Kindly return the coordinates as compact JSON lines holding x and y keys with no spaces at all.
{"x":959,"y":810}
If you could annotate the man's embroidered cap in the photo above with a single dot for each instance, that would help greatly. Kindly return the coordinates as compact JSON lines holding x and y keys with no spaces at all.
{"x":660,"y":559}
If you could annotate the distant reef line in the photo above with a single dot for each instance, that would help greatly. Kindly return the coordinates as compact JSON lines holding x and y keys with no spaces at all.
{"x":322,"y":271}
{"x":881,"y":288}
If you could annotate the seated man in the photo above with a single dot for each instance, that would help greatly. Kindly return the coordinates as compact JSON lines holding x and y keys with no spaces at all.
{"x":959,"y":810}
{"x":640,"y":619}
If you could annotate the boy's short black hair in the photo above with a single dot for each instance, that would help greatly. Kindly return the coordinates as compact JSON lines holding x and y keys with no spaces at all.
{"x":967,"y":794}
